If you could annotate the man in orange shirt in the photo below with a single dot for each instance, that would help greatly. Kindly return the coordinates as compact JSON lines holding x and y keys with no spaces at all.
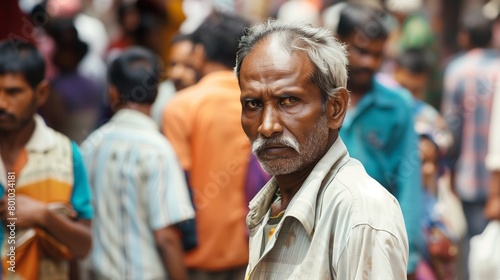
{"x":203,"y":124}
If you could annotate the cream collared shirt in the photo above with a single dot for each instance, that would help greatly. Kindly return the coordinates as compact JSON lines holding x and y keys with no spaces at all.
{"x":341,"y":224}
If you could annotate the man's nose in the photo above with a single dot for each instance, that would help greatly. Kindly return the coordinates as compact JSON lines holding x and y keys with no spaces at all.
{"x":176,"y":71}
{"x":270,"y":123}
{"x":368,"y":61}
{"x":371,"y":61}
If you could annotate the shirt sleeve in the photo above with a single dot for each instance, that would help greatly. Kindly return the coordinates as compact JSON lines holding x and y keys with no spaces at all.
{"x":373,"y":254}
{"x":451,"y":107}
{"x":168,"y":196}
{"x":81,"y":196}
{"x":175,"y":126}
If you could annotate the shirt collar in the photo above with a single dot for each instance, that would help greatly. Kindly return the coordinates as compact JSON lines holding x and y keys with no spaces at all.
{"x":130,"y":117}
{"x":376,"y":93}
{"x":378,"y":96}
{"x":303,"y":204}
{"x":43,"y":137}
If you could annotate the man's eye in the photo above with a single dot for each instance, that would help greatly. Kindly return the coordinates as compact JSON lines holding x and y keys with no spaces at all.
{"x":14,"y":91}
{"x":253,"y":104}
{"x":288,"y":101}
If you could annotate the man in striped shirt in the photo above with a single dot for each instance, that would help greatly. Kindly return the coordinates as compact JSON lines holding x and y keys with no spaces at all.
{"x":469,"y":83}
{"x":140,"y":190}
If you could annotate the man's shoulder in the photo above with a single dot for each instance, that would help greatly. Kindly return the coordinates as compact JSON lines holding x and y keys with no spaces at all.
{"x":95,"y":138}
{"x":361,"y":195}
{"x":353,"y":177}
{"x":111,"y":134}
{"x":466,"y":63}
{"x":185,"y":101}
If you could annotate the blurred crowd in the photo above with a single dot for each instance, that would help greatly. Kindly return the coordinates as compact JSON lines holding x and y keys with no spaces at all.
{"x":432,"y":139}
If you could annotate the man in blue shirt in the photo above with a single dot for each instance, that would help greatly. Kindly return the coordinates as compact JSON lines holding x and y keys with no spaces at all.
{"x":378,"y":128}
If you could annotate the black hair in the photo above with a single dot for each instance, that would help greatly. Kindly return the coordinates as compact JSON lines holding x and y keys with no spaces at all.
{"x":219,"y":35}
{"x":415,"y":60}
{"x":360,"y":18}
{"x":136,"y":73}
{"x":19,"y":57}
{"x":66,"y":39}
{"x":478,"y":28}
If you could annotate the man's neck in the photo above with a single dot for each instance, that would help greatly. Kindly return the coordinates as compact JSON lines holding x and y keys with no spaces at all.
{"x":143,"y":108}
{"x":12,"y":143}
{"x":15,"y":139}
{"x":211,"y":67}
{"x":290,"y":184}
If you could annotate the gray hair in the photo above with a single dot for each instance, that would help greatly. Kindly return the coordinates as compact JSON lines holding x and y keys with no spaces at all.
{"x":327,"y":54}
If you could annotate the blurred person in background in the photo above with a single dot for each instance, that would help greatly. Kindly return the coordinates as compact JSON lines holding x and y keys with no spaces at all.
{"x":410,"y":29}
{"x":468,"y":94}
{"x":485,"y":248}
{"x":128,"y":19}
{"x":140,"y":192}
{"x":378,"y":129}
{"x":415,"y":26}
{"x":143,"y":23}
{"x":52,"y":195}
{"x":74,"y":102}
{"x":182,"y":71}
{"x":146,"y":23}
{"x":203,"y":124}
{"x":439,"y":248}
{"x":413,"y":70}
{"x":90,"y":31}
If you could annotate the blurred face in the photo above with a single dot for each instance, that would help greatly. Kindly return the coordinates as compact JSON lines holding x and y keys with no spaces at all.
{"x":415,"y":83}
{"x":365,"y":58}
{"x":181,"y":66}
{"x":282,"y":110}
{"x":18,"y":103}
{"x":430,"y":168}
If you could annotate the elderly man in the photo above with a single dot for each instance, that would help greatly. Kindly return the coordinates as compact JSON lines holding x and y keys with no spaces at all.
{"x":321,"y":216}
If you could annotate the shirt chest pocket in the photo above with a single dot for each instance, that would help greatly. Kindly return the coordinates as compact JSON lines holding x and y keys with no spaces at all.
{"x":376,"y":137}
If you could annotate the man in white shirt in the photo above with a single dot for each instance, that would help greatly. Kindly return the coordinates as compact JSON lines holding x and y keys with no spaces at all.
{"x":321,"y":216}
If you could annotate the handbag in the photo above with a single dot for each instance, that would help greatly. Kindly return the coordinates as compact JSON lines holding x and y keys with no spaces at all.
{"x":440,"y":246}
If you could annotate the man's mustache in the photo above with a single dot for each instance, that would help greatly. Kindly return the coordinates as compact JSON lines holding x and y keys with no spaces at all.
{"x":262,"y":143}
{"x":5,"y":114}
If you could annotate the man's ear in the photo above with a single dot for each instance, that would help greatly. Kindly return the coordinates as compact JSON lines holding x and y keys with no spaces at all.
{"x":42,"y":92}
{"x":199,"y":57}
{"x":336,"y":108}
{"x":114,"y":98}
{"x":463,"y":39}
